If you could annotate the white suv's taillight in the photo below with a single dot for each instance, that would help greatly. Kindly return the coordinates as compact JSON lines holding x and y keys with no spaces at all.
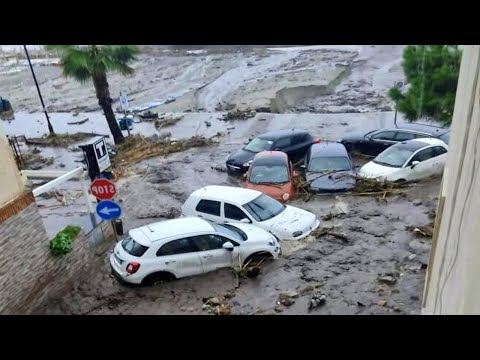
{"x":133,"y":267}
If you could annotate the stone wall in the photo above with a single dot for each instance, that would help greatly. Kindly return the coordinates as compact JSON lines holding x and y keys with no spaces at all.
{"x":29,"y":274}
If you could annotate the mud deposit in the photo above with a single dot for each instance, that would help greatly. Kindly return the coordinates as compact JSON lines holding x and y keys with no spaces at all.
{"x":376,"y":266}
{"x":348,"y":272}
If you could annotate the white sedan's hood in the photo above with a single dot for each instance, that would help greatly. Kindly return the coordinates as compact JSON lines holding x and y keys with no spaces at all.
{"x":373,"y":170}
{"x":290,"y":221}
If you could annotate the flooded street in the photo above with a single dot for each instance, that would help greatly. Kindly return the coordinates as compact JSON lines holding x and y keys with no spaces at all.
{"x":375,"y":264}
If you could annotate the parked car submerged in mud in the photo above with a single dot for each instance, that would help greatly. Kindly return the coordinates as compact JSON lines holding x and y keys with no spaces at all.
{"x":407,"y":161}
{"x":329,"y":168}
{"x":225,"y":204}
{"x":272,"y":173}
{"x":374,"y":142}
{"x":187,"y":246}
{"x":293,"y":142}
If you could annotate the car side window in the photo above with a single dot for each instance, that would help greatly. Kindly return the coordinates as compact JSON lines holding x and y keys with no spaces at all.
{"x":439,"y":150}
{"x":176,"y":247}
{"x":233,"y":212}
{"x":385,"y":135}
{"x":209,"y":207}
{"x":210,"y":242}
{"x":423,"y":155}
{"x":282,"y":143}
{"x":404,"y":136}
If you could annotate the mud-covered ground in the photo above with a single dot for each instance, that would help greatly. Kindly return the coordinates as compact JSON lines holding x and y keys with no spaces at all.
{"x":346,"y":271}
{"x":322,"y":79}
{"x":329,"y":90}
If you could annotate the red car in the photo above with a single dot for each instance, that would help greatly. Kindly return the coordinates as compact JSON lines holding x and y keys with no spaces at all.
{"x":272,"y":173}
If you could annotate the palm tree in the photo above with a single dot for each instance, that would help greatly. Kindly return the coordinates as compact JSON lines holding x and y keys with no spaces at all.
{"x":85,"y":62}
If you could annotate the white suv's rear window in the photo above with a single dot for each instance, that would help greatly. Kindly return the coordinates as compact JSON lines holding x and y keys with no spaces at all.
{"x":133,"y":248}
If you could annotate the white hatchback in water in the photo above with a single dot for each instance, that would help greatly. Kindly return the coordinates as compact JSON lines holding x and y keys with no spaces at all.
{"x":187,"y":246}
{"x":407,"y":161}
{"x":225,"y":204}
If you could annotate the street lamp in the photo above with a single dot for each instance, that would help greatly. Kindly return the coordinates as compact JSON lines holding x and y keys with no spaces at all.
{"x":50,"y":128}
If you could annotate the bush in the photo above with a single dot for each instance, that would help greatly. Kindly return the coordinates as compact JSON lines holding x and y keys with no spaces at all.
{"x":61,"y":244}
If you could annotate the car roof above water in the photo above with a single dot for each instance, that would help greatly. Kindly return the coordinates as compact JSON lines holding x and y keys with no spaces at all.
{"x":278,"y":134}
{"x":158,"y":231}
{"x":328,"y":149}
{"x":423,"y":128}
{"x":417,"y":144}
{"x":236,"y":195}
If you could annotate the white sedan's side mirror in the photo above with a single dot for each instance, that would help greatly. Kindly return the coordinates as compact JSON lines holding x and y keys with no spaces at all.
{"x":228,"y":246}
{"x":245,"y":221}
{"x":415,"y":163}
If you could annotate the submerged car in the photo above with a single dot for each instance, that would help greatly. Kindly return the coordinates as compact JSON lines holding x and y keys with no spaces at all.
{"x":407,"y":161}
{"x":374,"y":142}
{"x":293,"y":142}
{"x":329,"y":168}
{"x":187,"y":246}
{"x":272,"y":173}
{"x":225,"y":204}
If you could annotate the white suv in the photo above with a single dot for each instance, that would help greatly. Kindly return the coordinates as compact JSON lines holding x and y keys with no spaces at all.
{"x":187,"y":246}
{"x":225,"y":204}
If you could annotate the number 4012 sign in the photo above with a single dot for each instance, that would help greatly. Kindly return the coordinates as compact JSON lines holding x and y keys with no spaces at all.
{"x":103,"y":189}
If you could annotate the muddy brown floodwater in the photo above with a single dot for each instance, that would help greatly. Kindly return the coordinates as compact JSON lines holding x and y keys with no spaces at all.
{"x":376,"y":243}
{"x":374,"y":265}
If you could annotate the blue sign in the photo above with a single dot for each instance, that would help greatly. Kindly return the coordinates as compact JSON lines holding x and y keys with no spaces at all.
{"x":108,"y":210}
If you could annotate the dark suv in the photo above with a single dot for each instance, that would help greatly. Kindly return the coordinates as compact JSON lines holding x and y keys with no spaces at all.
{"x":294,"y":142}
{"x":374,"y":142}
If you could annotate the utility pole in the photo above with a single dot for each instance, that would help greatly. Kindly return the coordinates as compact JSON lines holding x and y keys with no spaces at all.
{"x":50,"y":128}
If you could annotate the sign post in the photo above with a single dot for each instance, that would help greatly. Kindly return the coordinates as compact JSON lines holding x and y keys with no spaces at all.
{"x":124,"y":105}
{"x":107,"y":209}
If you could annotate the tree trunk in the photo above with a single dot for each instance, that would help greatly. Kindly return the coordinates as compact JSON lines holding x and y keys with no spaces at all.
{"x":105,"y":101}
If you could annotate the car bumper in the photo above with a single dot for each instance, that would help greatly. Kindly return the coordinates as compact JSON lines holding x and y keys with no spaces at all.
{"x":305,"y":233}
{"x":122,"y":276}
{"x":235,"y":169}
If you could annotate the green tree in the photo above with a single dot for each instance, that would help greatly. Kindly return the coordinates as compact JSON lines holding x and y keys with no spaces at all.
{"x":93,"y":62}
{"x":432,"y":74}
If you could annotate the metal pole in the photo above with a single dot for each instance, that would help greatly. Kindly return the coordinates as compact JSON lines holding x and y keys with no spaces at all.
{"x":50,"y":128}
{"x":395,"y":120}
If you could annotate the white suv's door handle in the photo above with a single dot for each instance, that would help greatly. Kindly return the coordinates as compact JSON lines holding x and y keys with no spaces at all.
{"x":170,"y":262}
{"x":207,"y":256}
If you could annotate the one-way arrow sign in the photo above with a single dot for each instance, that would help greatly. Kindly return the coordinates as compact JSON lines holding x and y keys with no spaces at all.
{"x":108,"y":210}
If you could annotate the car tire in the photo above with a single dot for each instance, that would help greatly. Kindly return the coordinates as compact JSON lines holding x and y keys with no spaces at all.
{"x":400,"y":181}
{"x":257,"y":257}
{"x":158,"y":278}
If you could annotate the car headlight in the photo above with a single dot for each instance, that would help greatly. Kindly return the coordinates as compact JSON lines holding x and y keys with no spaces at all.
{"x":248,"y":163}
{"x":285,"y":196}
{"x":297,"y":233}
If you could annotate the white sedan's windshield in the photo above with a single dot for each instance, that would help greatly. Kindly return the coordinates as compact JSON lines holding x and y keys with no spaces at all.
{"x":394,"y":156}
{"x":264,"y":207}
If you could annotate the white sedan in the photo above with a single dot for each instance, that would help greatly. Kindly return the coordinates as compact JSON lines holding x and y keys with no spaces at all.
{"x":408,"y":161}
{"x":225,"y":204}
{"x":187,"y":246}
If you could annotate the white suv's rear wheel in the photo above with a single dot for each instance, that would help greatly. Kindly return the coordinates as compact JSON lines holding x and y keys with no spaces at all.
{"x":159,"y":278}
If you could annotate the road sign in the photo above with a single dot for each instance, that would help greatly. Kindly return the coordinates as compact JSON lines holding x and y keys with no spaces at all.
{"x":103,"y":189}
{"x":108,"y":210}
{"x":123,"y":102}
{"x":101,"y":154}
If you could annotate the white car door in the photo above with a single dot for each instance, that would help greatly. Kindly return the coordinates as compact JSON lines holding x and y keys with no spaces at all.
{"x":439,"y":160}
{"x":212,"y":254}
{"x":233,"y":213}
{"x":209,"y":209}
{"x":424,"y":168}
{"x":180,"y":257}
